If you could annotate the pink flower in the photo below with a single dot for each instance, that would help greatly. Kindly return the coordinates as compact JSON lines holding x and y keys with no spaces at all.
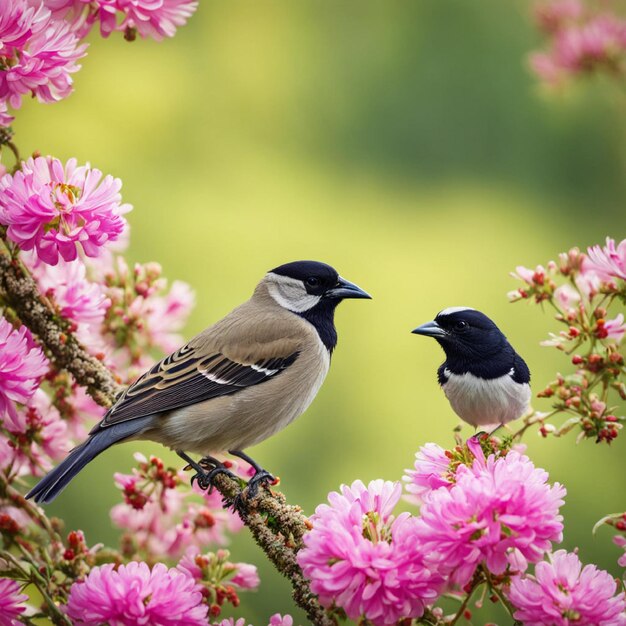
{"x":171,"y":521}
{"x":432,"y":468}
{"x":563,"y":593}
{"x":22,"y":364}
{"x":620,"y":540}
{"x":614,"y":329}
{"x":11,"y":602}
{"x":501,"y":511}
{"x":78,"y":299}
{"x":246,"y":576}
{"x":598,"y":41}
{"x":56,"y":210}
{"x":134,"y":595}
{"x":156,"y":18}
{"x":567,"y":297}
{"x":166,"y":315}
{"x":360,"y":558}
{"x":531,"y":277}
{"x":5,"y":119}
{"x":281,"y":620}
{"x":552,"y":16}
{"x":608,"y":262}
{"x":583,"y":47}
{"x":39,"y":53}
{"x":37,"y":436}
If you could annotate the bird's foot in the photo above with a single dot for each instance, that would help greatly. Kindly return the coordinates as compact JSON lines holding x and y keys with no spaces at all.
{"x":262,"y":477}
{"x":207,"y":469}
{"x":241,"y":502}
{"x":205,"y":478}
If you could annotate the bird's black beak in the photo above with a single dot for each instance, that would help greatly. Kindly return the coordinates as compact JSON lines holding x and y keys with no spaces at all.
{"x":430,"y":329}
{"x":345,"y":289}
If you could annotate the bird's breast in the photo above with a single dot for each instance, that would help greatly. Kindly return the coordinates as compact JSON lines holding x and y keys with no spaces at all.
{"x":482,"y":402}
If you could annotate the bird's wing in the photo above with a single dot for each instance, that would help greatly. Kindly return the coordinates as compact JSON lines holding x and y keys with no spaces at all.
{"x":190,"y":375}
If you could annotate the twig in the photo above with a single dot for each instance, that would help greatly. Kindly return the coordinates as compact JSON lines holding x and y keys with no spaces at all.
{"x":56,"y":615}
{"x":276,"y":526}
{"x":477,"y":582}
{"x":34,"y":512}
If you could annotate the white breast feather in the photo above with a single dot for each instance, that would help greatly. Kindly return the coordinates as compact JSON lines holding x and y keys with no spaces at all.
{"x":481,"y":402}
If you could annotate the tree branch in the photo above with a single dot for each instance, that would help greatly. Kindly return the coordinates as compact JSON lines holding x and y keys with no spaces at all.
{"x":22,"y":295}
{"x":277,"y":527}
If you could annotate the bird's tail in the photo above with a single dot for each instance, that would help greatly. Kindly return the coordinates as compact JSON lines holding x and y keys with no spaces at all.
{"x":51,"y":485}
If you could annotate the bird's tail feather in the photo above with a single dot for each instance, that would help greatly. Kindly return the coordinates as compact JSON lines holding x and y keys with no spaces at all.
{"x":51,"y":485}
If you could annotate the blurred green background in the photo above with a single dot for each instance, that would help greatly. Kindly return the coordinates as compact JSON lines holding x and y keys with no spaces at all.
{"x":406,"y":144}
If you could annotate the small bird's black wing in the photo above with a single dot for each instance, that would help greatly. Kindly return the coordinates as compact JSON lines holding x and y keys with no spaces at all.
{"x":442,"y":379}
{"x":185,"y":378}
{"x":521,"y":373}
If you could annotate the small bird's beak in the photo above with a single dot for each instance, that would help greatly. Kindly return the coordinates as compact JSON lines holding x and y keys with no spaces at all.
{"x":346,"y":289}
{"x":430,"y":329}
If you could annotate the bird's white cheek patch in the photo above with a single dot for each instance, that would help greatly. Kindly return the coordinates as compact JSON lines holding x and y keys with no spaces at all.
{"x":291,"y":294}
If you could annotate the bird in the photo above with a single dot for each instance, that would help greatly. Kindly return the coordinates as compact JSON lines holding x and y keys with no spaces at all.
{"x":235,"y":384}
{"x":485,"y":380}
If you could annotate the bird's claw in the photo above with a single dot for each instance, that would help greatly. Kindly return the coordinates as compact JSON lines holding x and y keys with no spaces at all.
{"x":261,"y":477}
{"x":205,"y":480}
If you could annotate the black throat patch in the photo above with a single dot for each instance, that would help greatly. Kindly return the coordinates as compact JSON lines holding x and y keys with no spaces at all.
{"x":322,"y":316}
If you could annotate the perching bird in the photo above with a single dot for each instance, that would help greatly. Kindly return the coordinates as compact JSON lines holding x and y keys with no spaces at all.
{"x":485,"y":380}
{"x":235,"y":384}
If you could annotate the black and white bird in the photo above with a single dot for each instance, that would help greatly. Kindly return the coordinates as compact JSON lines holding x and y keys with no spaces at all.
{"x":485,"y":380}
{"x":235,"y":384}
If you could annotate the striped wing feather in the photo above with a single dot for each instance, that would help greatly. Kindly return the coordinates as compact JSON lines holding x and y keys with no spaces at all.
{"x":187,"y":377}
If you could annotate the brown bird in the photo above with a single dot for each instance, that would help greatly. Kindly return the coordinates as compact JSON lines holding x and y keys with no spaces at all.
{"x":235,"y":384}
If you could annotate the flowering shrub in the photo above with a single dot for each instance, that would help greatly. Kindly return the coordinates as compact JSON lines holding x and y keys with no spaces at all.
{"x":584,"y":37}
{"x":40,"y":40}
{"x":583,"y":290}
{"x":487,"y":515}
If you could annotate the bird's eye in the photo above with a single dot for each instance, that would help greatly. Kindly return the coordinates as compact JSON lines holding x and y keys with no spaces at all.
{"x":312,"y":281}
{"x":461,"y":325}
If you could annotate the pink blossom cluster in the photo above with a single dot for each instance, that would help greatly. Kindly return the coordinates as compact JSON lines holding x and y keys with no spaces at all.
{"x":67,"y":223}
{"x":61,"y":211}
{"x":601,"y":271}
{"x":40,"y":40}
{"x":431,"y":471}
{"x":581,"y":40}
{"x":363,"y":560}
{"x":500,"y":511}
{"x":161,"y":520}
{"x":143,"y":316}
{"x":275,"y":620}
{"x":31,"y":431}
{"x":38,"y":55}
{"x":220,"y":578}
{"x":134,"y":594}
{"x":147,"y":18}
{"x":496,"y":511}
{"x":583,"y":288}
{"x":563,"y":592}
{"x":11,"y":602}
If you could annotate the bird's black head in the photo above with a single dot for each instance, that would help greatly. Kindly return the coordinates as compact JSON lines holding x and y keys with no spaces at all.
{"x":312,"y":290}
{"x":466,"y":335}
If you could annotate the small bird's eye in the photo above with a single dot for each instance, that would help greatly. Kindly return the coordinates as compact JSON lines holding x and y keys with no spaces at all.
{"x":312,"y":281}
{"x":461,"y":325}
